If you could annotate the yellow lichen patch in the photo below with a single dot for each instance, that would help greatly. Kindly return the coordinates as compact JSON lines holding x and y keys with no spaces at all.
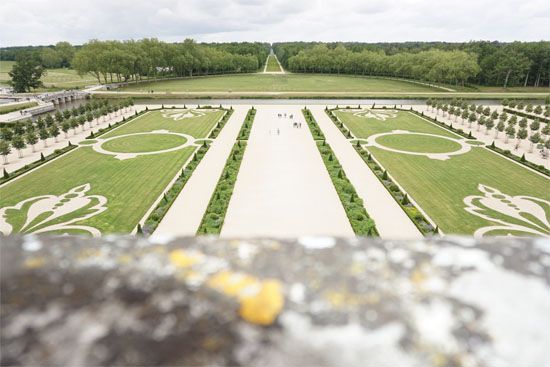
{"x":232,"y":284}
{"x":418,"y":277}
{"x":88,"y":253}
{"x":34,"y":262}
{"x":124,"y":259}
{"x":264,"y":307}
{"x":183,"y":259}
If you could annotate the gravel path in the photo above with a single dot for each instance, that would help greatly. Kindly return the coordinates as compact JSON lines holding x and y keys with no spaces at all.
{"x":283,"y":188}
{"x":391,"y":220}
{"x":184,"y":216}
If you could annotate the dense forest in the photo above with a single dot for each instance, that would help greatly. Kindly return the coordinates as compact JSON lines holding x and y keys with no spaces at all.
{"x":479,"y":62}
{"x":116,"y":61}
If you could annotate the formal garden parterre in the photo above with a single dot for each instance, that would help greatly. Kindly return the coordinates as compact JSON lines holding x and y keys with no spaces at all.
{"x":91,"y":192}
{"x":474,"y":192}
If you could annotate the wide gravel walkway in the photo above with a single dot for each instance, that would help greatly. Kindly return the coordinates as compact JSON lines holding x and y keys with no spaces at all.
{"x":391,"y":220}
{"x":283,"y":188}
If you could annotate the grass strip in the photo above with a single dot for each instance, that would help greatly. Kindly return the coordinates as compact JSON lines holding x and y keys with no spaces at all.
{"x":8,"y":176}
{"x":361,"y":222}
{"x":214,"y":216}
{"x":508,"y":154}
{"x":17,"y":107}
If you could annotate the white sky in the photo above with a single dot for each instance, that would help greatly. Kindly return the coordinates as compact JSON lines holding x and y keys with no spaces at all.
{"x":40,"y":22}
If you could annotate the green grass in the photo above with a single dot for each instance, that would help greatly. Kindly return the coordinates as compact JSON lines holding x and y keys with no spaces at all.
{"x":272,"y":64}
{"x":143,"y":143}
{"x":17,"y":107}
{"x":439,"y":187}
{"x":198,"y":127}
{"x":130,"y":186}
{"x":280,"y":83}
{"x":54,"y":78}
{"x":418,"y":143}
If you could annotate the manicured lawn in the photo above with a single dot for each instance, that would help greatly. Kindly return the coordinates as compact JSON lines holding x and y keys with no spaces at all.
{"x":418,"y":143}
{"x":281,"y":83}
{"x":143,"y":143}
{"x":198,"y":127}
{"x":439,"y":187}
{"x":272,"y":64}
{"x":130,"y":186}
{"x":54,"y":78}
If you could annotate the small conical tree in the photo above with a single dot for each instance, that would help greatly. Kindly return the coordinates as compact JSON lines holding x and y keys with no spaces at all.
{"x":493,"y":145}
{"x":42,"y":157}
{"x":369,"y":158}
{"x":523,"y":158}
{"x":139,"y":230}
{"x":385,"y":175}
{"x":358,"y":144}
{"x":352,"y":198}
{"x":330,"y":157}
{"x":6,"y":174}
{"x":340,"y":174}
{"x":470,"y":135}
{"x":436,"y":230}
{"x":405,"y":200}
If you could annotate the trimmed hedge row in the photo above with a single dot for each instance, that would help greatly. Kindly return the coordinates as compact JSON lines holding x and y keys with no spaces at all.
{"x":244,"y":134}
{"x":361,"y":222}
{"x":26,"y":168}
{"x":152,"y":222}
{"x":340,"y":125}
{"x":527,"y":115}
{"x":313,"y":127}
{"x":402,"y":199}
{"x":537,"y":167}
{"x":214,"y":133}
{"x":214,"y":216}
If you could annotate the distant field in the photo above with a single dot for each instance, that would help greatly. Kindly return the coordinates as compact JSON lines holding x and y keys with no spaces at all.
{"x":54,"y":78}
{"x":281,"y":83}
{"x":272,"y":64}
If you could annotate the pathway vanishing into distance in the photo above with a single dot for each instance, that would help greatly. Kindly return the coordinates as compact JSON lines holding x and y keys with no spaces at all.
{"x":185,"y":215}
{"x":391,"y":220}
{"x":283,"y":188}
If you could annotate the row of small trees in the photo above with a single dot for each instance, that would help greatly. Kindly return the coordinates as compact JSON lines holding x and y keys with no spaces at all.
{"x":528,"y":107}
{"x":29,"y":133}
{"x":503,"y":122}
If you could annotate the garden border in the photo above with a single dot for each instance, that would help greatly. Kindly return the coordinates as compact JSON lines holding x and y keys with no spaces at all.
{"x":389,"y":181}
{"x":228,"y":175}
{"x":355,"y":203}
{"x":165,"y":200}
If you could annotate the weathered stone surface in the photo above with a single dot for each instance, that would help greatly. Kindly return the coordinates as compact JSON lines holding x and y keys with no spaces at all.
{"x":310,"y":301}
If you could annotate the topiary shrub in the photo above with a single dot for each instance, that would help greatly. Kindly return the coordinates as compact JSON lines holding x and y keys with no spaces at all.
{"x":405,"y":200}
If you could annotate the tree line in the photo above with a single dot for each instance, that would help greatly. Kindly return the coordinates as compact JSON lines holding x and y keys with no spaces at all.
{"x":29,"y":133}
{"x":477,"y":62}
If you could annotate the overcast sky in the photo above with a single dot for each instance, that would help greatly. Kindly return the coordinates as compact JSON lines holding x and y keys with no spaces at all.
{"x":41,"y":22}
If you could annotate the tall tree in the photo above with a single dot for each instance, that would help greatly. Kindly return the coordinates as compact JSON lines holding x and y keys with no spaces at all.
{"x":26,"y":73}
